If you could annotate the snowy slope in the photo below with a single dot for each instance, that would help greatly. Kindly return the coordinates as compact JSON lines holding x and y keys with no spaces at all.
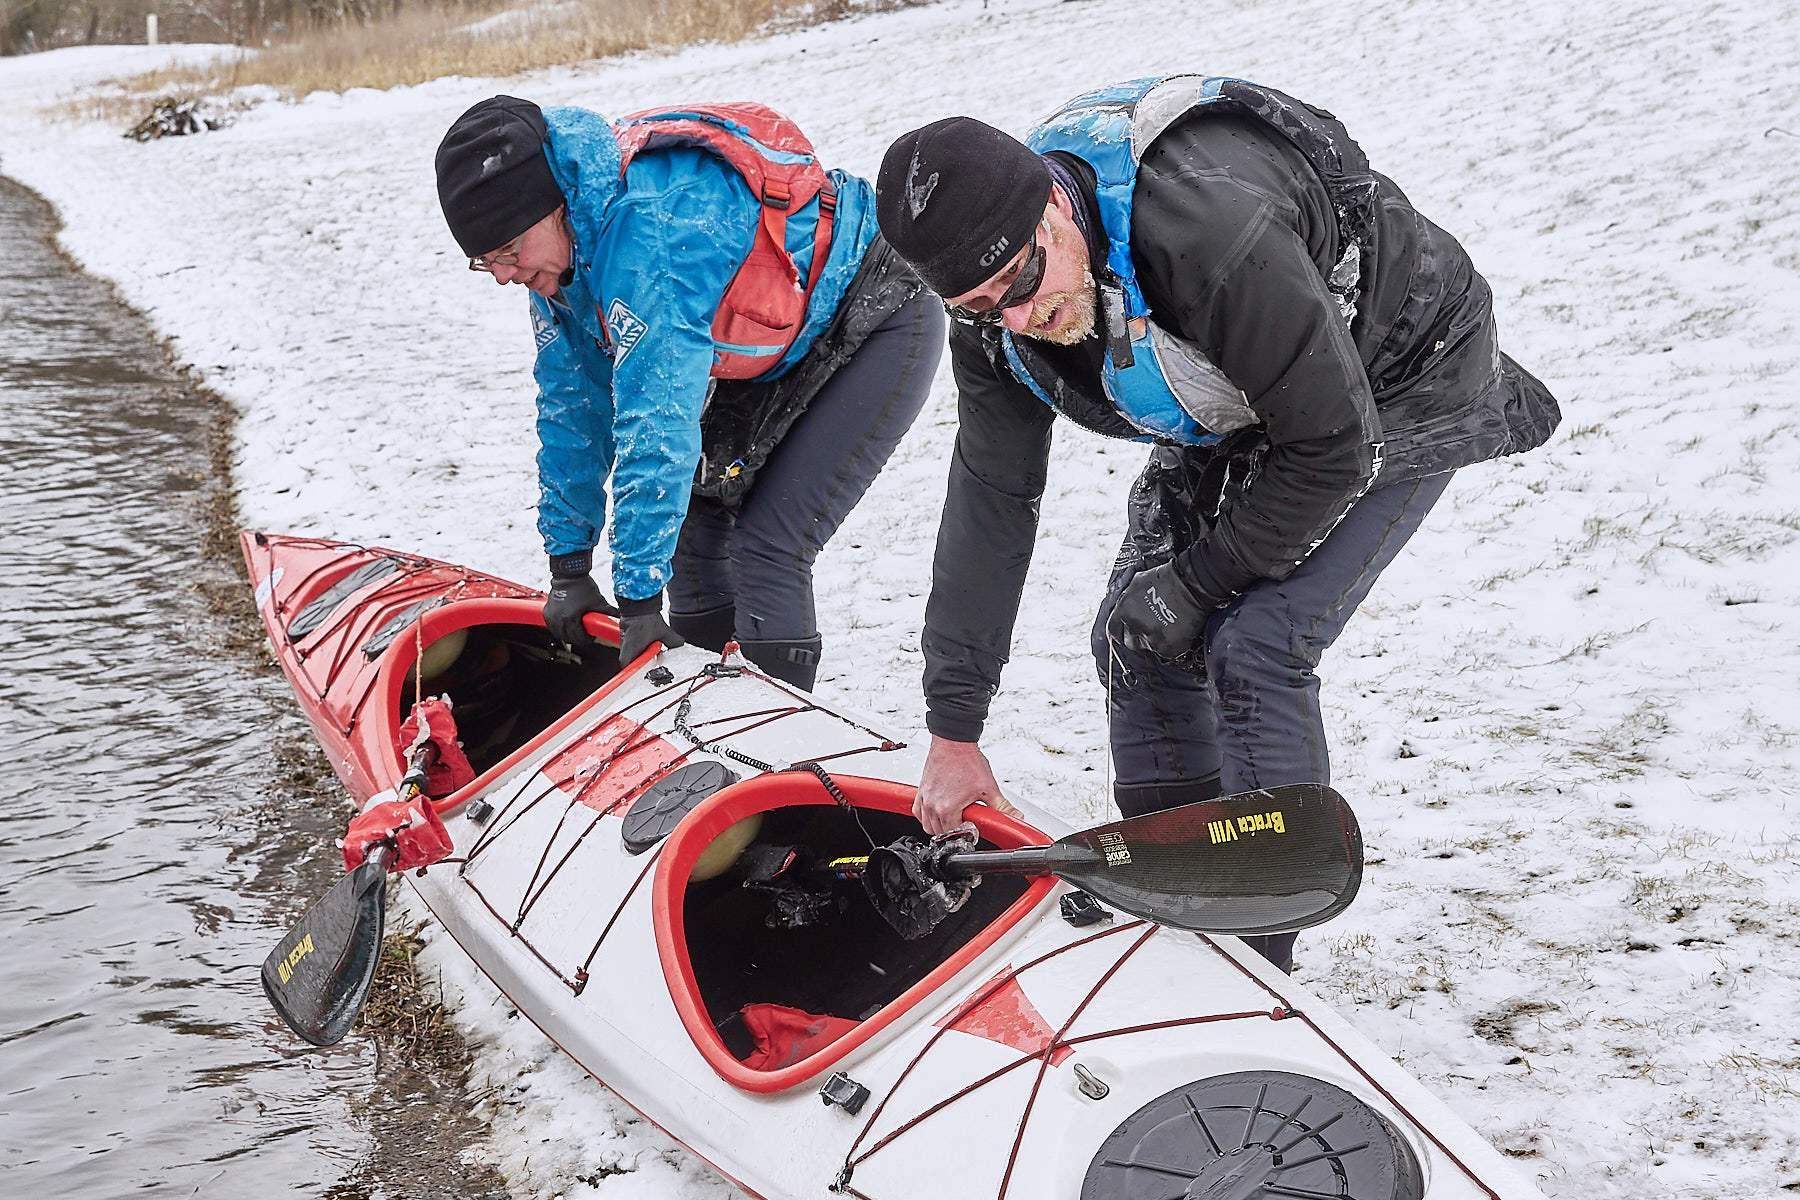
{"x":1567,"y":716}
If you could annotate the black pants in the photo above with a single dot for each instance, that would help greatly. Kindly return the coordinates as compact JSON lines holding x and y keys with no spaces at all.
{"x":757,"y":555}
{"x":1254,"y":720}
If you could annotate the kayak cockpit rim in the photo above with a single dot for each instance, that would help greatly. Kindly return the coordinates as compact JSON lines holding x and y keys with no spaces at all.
{"x":396,"y":672}
{"x":787,"y":790}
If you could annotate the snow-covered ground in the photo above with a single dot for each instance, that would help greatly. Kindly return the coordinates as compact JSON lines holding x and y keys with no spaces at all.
{"x":1567,"y":716}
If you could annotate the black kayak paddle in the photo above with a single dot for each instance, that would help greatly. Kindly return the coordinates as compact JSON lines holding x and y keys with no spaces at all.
{"x":1269,"y":861}
{"x":318,"y":976}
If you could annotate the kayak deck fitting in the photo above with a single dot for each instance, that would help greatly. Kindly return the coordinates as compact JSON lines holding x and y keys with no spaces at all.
{"x":603,"y":879}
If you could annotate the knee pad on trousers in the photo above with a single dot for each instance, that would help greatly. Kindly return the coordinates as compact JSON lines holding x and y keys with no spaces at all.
{"x":1136,"y":799}
{"x":709,"y":630}
{"x":795,"y":661}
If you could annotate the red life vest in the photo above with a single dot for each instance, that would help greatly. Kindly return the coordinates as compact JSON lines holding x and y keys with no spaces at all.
{"x":765,"y":307}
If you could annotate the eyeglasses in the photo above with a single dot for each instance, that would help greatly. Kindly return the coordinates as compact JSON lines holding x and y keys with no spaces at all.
{"x":505,"y":256}
{"x":1024,"y":286}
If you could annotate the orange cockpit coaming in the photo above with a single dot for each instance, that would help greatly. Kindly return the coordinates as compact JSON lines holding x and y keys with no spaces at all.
{"x":737,"y":984}
{"x":513,"y":688}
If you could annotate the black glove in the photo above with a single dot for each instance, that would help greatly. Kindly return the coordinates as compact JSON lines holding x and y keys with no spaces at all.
{"x":573,"y":595}
{"x":1162,"y":614}
{"x":641,"y":623}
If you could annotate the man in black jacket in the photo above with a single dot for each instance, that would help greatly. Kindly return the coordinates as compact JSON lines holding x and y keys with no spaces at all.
{"x":1211,"y":267}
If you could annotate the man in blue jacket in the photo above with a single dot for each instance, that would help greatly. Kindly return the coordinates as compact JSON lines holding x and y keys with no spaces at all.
{"x":1210,"y":267}
{"x":720,"y":330}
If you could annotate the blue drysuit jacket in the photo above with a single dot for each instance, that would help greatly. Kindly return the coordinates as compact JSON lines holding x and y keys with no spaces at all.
{"x":625,"y":351}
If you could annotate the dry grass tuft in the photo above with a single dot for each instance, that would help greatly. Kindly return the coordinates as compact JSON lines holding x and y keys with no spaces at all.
{"x":407,"y":1020}
{"x":423,"y":44}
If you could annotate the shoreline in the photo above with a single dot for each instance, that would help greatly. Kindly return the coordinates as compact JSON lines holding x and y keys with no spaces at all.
{"x":1564,"y":714}
{"x":433,"y":1068}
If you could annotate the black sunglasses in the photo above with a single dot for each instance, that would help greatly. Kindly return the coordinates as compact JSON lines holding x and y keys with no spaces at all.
{"x":1030,"y":278}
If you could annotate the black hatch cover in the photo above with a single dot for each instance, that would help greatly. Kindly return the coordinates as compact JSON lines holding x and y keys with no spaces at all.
{"x":661,"y":807}
{"x":1254,"y":1135}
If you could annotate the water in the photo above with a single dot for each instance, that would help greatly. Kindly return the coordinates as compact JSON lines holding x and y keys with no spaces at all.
{"x":152,"y":846}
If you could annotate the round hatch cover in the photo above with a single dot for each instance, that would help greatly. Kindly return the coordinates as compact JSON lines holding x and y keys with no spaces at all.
{"x":660,"y":809}
{"x":1254,"y":1135}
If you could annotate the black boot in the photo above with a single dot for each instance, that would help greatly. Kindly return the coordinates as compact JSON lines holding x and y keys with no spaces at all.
{"x":792,"y":662}
{"x":1136,"y":799}
{"x":709,"y":630}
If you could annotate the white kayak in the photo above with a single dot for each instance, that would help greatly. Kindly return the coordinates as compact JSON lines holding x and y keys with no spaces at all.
{"x":1023,"y":1049}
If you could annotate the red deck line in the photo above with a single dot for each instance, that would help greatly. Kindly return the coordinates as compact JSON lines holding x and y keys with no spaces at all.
{"x":1037,"y":1084}
{"x":514,"y":934}
{"x":1036,"y":1055}
{"x":1369,"y":1079}
{"x":498,"y":826}
{"x":851,"y":1159}
{"x":281,"y":602}
{"x":525,"y":892}
{"x":649,"y":862}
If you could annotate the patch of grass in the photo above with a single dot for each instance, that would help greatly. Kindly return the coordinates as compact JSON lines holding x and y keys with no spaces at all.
{"x":1673,"y":898}
{"x":1504,"y":834}
{"x":1500,"y":1026}
{"x":421,"y":44}
{"x":406,"y":1019}
{"x":301,"y":765}
{"x":1624,"y":748}
{"x":1770,"y":1078}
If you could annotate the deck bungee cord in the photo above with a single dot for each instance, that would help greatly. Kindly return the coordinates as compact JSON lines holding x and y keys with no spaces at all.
{"x":593,"y":774}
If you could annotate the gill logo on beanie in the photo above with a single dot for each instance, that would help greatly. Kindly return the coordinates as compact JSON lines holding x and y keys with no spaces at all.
{"x":995,"y":251}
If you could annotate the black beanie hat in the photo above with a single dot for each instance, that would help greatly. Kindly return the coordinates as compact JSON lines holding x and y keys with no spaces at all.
{"x":493,"y":180}
{"x":957,"y":199}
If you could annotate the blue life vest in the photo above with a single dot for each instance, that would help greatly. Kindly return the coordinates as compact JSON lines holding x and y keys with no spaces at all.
{"x":1163,"y":386}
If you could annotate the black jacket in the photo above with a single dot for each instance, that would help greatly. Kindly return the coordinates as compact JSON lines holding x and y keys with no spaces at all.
{"x":1233,"y":234}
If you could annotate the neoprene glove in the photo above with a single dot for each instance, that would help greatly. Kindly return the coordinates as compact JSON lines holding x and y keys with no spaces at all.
{"x":641,"y":623}
{"x":573,"y":595}
{"x":1162,"y":614}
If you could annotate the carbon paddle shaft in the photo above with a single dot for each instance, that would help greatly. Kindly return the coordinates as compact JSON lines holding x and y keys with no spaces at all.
{"x":1031,"y":860}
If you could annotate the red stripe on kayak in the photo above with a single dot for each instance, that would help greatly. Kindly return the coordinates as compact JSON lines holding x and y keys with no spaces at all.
{"x":1006,"y":1015}
{"x":610,"y":764}
{"x":852,"y":1159}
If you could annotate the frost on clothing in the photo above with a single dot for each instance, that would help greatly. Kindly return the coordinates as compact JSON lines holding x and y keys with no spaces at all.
{"x":625,"y":351}
{"x":1234,"y":239}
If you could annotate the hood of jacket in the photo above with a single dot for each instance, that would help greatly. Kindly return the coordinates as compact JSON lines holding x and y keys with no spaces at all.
{"x":584,"y":158}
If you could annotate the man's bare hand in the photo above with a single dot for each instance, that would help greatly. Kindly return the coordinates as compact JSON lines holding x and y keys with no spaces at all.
{"x":956,"y":775}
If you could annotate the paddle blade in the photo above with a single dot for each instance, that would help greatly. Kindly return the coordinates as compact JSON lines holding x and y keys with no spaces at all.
{"x":1258,"y":862}
{"x":319,"y":975}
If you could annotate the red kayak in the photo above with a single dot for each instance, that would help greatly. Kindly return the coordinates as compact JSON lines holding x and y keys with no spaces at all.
{"x":608,"y":872}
